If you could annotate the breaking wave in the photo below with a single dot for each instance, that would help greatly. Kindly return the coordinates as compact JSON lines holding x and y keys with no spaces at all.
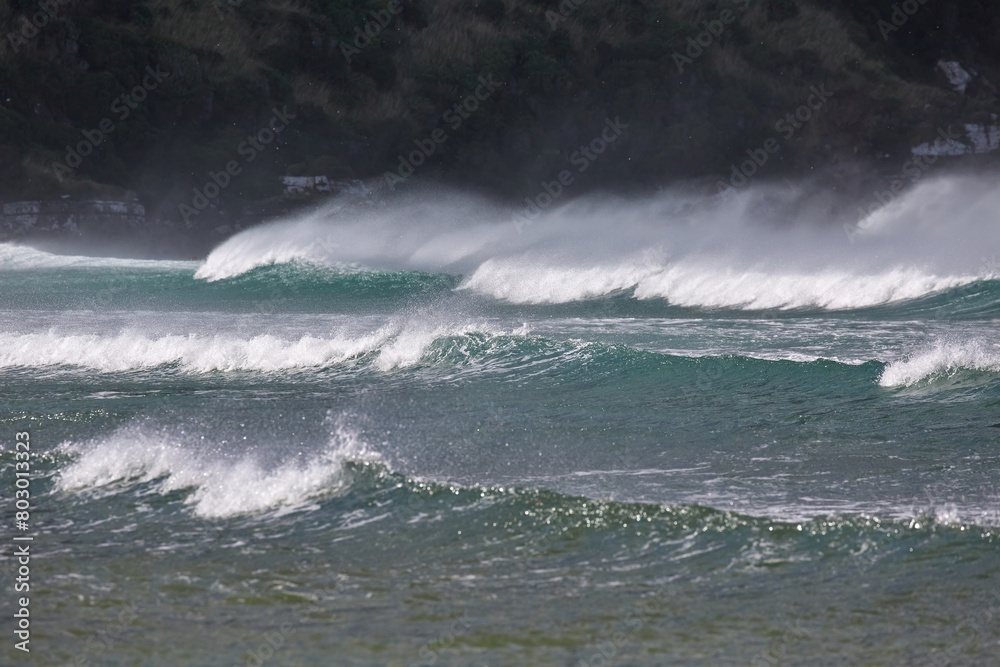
{"x":762,"y":248}
{"x":393,"y":346}
{"x":221,"y":483}
{"x":706,"y":286}
{"x":943,"y":360}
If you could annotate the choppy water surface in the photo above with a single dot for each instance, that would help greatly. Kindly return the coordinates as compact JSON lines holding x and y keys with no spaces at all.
{"x":649,"y":433}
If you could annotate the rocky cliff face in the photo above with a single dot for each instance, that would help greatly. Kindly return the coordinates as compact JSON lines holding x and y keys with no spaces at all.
{"x":181,"y":102}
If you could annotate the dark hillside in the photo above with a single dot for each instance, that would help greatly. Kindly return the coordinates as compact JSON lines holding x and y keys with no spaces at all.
{"x":164,"y":95}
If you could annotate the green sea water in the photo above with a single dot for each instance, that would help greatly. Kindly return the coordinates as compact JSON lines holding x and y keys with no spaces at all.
{"x":524,"y":461}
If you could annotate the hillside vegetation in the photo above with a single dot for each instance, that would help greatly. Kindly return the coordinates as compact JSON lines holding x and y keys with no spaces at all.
{"x":698,"y":84}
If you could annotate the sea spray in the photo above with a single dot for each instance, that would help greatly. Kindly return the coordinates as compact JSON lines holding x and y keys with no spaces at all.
{"x":766,"y":247}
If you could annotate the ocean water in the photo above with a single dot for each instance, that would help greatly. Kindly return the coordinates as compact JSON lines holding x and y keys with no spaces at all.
{"x":670,"y":431}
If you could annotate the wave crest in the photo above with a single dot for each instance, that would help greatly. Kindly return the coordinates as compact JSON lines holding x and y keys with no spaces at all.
{"x":944,"y":359}
{"x":221,"y":484}
{"x":393,"y":346}
{"x":702,"y":285}
{"x":762,"y":248}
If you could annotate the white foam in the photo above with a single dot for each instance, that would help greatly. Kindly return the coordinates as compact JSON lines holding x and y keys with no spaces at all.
{"x":397,"y":346}
{"x":419,"y":235}
{"x":193,"y":353}
{"x":522,"y":280}
{"x":693,"y":285}
{"x":409,"y":347}
{"x":707,"y":285}
{"x":222,"y":485}
{"x":941,"y":360}
{"x":237,"y":257}
{"x":762,"y":247}
{"x":22,"y":258}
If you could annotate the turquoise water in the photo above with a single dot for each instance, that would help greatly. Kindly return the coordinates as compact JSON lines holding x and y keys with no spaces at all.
{"x":490,"y":455}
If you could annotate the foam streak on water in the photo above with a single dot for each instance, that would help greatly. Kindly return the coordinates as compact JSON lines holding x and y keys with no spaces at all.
{"x":23,"y":258}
